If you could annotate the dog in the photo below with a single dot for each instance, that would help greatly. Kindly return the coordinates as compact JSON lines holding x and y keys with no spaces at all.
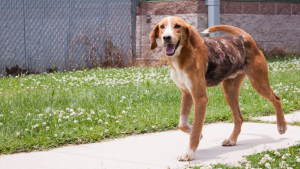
{"x":198,"y":63}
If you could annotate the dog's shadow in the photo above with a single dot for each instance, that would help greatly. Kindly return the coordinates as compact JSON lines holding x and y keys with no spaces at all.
{"x":215,"y":152}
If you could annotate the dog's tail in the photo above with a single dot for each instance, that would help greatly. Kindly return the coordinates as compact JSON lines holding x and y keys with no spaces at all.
{"x":228,"y":29}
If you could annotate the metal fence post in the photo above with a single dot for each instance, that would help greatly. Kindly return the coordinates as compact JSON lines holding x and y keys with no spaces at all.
{"x":134,"y":4}
{"x":213,"y":14}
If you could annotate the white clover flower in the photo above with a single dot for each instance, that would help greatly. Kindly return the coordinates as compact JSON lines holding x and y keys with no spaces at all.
{"x":44,"y":123}
{"x":79,"y":109}
{"x":89,"y":119}
{"x":92,"y":112}
{"x":41,"y":115}
{"x":99,"y":121}
{"x":55,"y":135}
{"x":120,"y":116}
{"x":26,"y":129}
{"x":248,"y":165}
{"x":11,"y":112}
{"x":60,"y":116}
{"x":75,"y":121}
{"x":117,"y":121}
{"x":62,"y":133}
{"x":153,"y":126}
{"x":17,"y":134}
{"x":267,"y":165}
{"x":73,"y":114}
{"x":106,"y":123}
{"x":91,"y":128}
{"x":67,"y":117}
{"x":1,"y":124}
{"x":277,"y":153}
{"x":123,"y":112}
{"x":67,"y":109}
{"x":298,"y":160}
{"x":47,"y":128}
{"x":71,"y":110}
{"x":105,"y":130}
{"x":104,"y":110}
{"x":1,"y":115}
{"x":108,"y":115}
{"x":59,"y":120}
{"x":283,"y":157}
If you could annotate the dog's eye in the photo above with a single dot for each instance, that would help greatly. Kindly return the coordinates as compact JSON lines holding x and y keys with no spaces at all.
{"x":162,"y":26}
{"x":177,"y":26}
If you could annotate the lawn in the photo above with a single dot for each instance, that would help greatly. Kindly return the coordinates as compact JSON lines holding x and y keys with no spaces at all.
{"x":288,"y":158}
{"x":43,"y":111}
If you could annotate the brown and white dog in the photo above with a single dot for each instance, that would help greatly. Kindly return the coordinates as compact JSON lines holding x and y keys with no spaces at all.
{"x":198,"y":63}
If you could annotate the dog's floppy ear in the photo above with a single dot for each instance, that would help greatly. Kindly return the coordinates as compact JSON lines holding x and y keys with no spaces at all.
{"x":153,"y":37}
{"x":192,"y":36}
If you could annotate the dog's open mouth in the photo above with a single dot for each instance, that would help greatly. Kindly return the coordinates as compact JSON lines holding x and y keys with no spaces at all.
{"x":171,"y":48}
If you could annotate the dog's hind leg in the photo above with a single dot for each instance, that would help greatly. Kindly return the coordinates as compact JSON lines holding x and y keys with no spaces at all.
{"x":231,"y":88}
{"x":257,"y":71}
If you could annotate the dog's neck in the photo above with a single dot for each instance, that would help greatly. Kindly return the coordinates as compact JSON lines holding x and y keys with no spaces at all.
{"x":183,"y":57}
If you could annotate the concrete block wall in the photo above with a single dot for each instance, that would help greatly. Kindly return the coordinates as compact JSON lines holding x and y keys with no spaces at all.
{"x":270,"y":24}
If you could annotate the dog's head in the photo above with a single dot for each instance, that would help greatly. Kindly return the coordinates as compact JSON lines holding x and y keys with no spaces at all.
{"x":174,"y":33}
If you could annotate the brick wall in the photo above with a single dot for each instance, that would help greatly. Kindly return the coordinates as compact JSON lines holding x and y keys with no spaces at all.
{"x":271,"y":24}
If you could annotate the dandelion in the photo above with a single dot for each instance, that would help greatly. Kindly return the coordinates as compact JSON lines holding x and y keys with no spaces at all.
{"x":47,"y":128}
{"x":75,"y":121}
{"x":99,"y":121}
{"x":55,"y":135}
{"x":91,"y":128}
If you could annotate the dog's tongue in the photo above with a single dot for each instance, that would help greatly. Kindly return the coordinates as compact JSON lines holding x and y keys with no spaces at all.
{"x":170,"y":48}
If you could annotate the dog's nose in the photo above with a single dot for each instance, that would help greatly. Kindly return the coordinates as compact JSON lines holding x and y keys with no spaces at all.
{"x":167,"y":38}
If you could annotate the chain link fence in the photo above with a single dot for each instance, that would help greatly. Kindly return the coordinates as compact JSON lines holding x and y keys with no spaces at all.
{"x":57,"y":35}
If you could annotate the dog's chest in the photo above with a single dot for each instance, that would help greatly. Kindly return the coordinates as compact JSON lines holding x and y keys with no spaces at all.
{"x":180,"y":78}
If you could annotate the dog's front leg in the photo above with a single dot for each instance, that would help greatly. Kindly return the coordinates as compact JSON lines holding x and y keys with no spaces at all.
{"x":200,"y":99}
{"x":186,"y":106}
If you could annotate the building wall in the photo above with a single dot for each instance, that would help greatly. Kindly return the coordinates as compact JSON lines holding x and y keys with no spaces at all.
{"x":270,"y":24}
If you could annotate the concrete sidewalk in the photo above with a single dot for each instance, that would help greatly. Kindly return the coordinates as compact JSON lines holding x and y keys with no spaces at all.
{"x":293,"y":117}
{"x":157,"y":150}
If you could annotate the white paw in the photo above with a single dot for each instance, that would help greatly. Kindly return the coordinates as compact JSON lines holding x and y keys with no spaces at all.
{"x":190,"y":155}
{"x":281,"y":129}
{"x":228,"y":142}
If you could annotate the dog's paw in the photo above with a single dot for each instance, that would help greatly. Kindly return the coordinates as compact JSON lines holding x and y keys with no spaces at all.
{"x":190,"y":155}
{"x":201,"y":136}
{"x":281,"y":129}
{"x":228,"y":142}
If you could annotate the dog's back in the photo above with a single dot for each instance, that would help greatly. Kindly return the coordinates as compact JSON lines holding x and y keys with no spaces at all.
{"x":226,"y":54}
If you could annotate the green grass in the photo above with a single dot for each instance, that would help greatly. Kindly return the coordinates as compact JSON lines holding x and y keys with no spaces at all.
{"x":35,"y":110}
{"x":288,"y":158}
